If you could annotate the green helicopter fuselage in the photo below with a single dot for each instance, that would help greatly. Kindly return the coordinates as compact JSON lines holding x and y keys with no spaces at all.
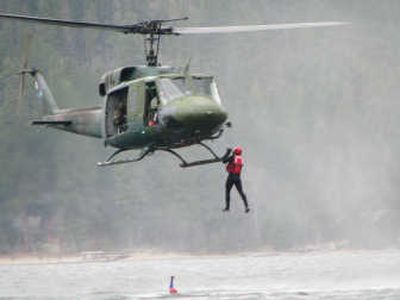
{"x":145,"y":106}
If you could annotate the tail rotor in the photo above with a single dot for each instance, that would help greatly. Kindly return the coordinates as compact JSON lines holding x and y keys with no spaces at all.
{"x":24,"y":59}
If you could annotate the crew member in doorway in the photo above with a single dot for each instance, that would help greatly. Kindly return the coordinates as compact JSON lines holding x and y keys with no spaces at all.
{"x":152,"y":119}
{"x":153,"y":115}
{"x":234,"y":167}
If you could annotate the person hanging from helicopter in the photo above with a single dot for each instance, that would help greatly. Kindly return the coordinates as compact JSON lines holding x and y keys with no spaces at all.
{"x":234,"y":167}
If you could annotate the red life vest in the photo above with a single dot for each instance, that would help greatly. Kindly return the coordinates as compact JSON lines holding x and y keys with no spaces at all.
{"x":235,"y":166}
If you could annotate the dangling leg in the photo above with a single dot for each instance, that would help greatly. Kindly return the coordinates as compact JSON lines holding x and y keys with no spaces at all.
{"x":238,"y":184}
{"x":228,"y":187}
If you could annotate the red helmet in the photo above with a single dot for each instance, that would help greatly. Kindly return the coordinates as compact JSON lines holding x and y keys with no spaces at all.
{"x":237,"y":150}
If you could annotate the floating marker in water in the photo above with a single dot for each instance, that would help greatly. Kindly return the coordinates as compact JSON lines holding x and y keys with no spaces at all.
{"x":172,"y":290}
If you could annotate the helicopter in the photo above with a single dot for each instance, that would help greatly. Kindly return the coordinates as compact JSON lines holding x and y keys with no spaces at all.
{"x":150,"y":107}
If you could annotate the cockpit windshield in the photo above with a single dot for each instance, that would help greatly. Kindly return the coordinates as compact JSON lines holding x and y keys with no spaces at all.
{"x":174,"y":88}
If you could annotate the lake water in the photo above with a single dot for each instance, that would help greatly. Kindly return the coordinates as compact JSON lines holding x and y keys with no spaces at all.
{"x":313,"y":275}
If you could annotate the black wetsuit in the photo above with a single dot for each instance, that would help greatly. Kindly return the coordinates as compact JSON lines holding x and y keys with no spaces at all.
{"x":233,"y":179}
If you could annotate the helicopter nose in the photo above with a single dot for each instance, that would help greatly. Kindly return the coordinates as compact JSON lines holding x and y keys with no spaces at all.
{"x":195,"y":113}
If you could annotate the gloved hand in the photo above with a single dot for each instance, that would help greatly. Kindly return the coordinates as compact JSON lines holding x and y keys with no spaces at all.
{"x":227,"y":153}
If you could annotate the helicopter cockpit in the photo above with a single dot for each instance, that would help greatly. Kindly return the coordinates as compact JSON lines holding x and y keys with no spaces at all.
{"x":156,"y":93}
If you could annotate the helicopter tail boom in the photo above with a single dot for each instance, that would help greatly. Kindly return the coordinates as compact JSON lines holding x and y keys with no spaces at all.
{"x":82,"y":121}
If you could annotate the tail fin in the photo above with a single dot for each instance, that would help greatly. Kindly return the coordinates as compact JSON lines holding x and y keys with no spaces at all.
{"x":41,"y":86}
{"x":43,"y":90}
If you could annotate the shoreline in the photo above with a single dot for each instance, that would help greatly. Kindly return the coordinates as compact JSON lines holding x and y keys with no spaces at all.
{"x":104,"y":256}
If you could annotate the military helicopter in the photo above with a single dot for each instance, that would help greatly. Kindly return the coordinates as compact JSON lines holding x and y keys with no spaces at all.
{"x":148,"y":107}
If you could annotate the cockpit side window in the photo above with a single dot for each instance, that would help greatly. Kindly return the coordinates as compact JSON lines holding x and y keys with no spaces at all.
{"x":201,"y":86}
{"x":174,"y":88}
{"x":169,"y":90}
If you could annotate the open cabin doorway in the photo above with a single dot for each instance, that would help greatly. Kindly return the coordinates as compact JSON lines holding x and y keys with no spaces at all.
{"x":116,"y":112}
{"x":152,"y":103}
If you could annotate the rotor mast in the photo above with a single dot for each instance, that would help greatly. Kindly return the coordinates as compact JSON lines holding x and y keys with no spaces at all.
{"x":153,"y":31}
{"x":152,"y":46}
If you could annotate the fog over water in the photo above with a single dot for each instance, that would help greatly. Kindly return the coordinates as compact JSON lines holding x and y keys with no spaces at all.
{"x":315,"y":110}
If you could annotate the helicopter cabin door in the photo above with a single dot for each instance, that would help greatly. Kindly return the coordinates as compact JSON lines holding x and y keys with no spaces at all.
{"x":116,"y":112}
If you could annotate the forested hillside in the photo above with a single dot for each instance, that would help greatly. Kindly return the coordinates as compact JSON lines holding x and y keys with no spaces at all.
{"x":315,"y":110}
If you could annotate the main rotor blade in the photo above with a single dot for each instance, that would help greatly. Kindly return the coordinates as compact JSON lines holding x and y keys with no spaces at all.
{"x":252,"y":28}
{"x":75,"y":24}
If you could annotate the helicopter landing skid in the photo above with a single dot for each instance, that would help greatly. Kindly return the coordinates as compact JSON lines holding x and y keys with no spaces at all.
{"x":110,"y":162}
{"x":185,"y":164}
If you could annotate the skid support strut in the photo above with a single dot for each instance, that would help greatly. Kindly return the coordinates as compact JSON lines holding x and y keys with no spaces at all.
{"x":185,"y":164}
{"x":110,"y":162}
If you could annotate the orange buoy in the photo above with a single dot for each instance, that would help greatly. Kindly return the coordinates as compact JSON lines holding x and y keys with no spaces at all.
{"x":172,"y":289}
